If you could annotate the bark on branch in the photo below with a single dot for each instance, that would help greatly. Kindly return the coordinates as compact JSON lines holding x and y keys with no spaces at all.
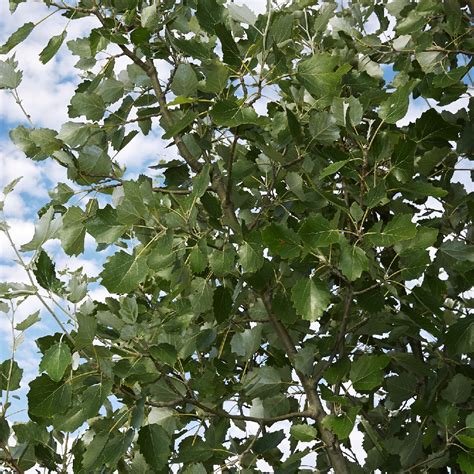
{"x":331,"y":443}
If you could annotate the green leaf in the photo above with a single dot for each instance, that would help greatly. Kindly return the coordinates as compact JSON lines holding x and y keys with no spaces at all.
{"x":466,"y":440}
{"x":310,"y":298}
{"x":222,"y":303}
{"x":197,"y":260}
{"x":209,"y":13}
{"x":262,"y":382}
{"x":52,"y":47}
{"x":61,"y":193}
{"x":149,"y":18}
{"x":230,"y":114}
{"x":180,"y":125}
{"x":91,"y":105}
{"x":75,"y":134}
{"x":420,"y":188}
{"x":11,"y":185}
{"x":28,"y":322}
{"x":460,"y":337}
{"x":201,"y":295}
{"x":10,"y":78}
{"x":432,"y":129}
{"x":87,"y":327}
{"x":246,"y":343}
{"x":47,"y":398}
{"x":332,"y":168}
{"x":343,"y":424}
{"x":316,"y":231}
{"x":399,"y":228}
{"x":242,"y":14}
{"x":195,"y":468}
{"x":466,"y":462}
{"x":396,"y":106}
{"x":10,"y":375}
{"x":230,"y":50}
{"x":132,"y":209}
{"x":411,"y":449}
{"x":281,"y":240}
{"x":73,"y":231}
{"x":320,"y":75}
{"x":367,"y":371}
{"x":217,"y":76}
{"x":123,"y":272}
{"x":111,"y":90}
{"x":222,"y":261}
{"x":268,"y":441}
{"x":251,"y":255}
{"x":17,"y":37}
{"x":45,"y":273}
{"x":56,"y":360}
{"x":104,"y":226}
{"x":154,"y":443}
{"x":305,"y":433}
{"x":164,"y":353}
{"x":185,"y":81}
{"x":458,"y":390}
{"x":294,"y":127}
{"x":353,"y":261}
{"x":93,"y":161}
{"x":429,"y":61}
{"x":458,"y":250}
{"x":323,"y":128}
{"x":201,"y":182}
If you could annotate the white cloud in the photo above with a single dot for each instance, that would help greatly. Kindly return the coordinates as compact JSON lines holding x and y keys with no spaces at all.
{"x":21,"y":232}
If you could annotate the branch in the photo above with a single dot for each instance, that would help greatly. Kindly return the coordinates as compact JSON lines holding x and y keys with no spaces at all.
{"x":332,"y":446}
{"x":224,"y":414}
{"x":230,"y":165}
{"x":339,"y":345}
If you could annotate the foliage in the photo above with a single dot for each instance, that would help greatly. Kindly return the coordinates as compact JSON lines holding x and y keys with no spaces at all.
{"x":300,"y":272}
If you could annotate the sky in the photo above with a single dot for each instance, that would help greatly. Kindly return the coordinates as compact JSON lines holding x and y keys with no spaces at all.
{"x":45,"y":92}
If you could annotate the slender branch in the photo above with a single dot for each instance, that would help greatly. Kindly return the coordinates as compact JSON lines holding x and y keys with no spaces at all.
{"x":46,"y":305}
{"x":224,"y":414}
{"x":339,"y":345}
{"x":9,"y":460}
{"x":230,"y":166}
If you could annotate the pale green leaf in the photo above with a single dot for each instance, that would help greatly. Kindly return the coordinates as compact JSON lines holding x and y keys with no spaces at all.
{"x":56,"y":360}
{"x":185,"y":81}
{"x":123,"y":272}
{"x":310,"y":298}
{"x":28,"y":322}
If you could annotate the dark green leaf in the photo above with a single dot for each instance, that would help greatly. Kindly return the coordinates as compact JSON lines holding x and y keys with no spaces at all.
{"x":10,"y":375}
{"x":52,"y":47}
{"x":366,"y":372}
{"x":17,"y":37}
{"x":230,"y":113}
{"x":316,"y":231}
{"x":154,"y":444}
{"x":47,"y":398}
{"x":45,"y":273}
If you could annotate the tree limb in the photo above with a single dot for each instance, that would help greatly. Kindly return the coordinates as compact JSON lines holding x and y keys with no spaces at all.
{"x":318,"y":413}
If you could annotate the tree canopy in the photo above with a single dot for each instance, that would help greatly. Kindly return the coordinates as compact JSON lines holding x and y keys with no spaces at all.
{"x":299,"y":273}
